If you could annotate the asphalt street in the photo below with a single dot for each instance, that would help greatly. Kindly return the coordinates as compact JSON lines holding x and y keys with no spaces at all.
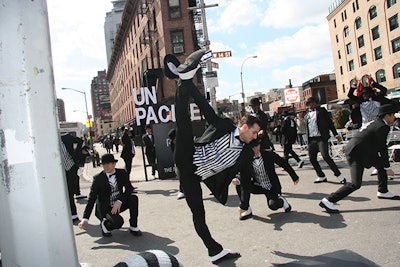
{"x":364,"y":233}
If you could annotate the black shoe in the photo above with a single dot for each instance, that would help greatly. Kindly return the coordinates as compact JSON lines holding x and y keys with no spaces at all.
{"x":192,"y":63}
{"x":328,"y":209}
{"x":76,"y":221}
{"x":321,"y":180}
{"x":105,"y":234}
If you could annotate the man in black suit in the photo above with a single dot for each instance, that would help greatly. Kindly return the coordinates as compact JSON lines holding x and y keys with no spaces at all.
{"x":214,"y":158}
{"x":111,"y":190}
{"x":150,"y":150}
{"x":366,"y":149}
{"x":263,"y":180}
{"x":72,"y":152}
{"x":318,"y":125}
{"x":128,"y":148}
{"x":266,"y":143}
{"x":289,"y":135}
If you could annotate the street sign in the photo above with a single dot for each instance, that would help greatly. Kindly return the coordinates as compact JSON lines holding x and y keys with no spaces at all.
{"x":207,"y":56}
{"x":292,"y":95}
{"x":222,"y":54}
{"x":211,"y":79}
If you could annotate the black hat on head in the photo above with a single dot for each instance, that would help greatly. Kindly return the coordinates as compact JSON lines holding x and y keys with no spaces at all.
{"x":255,"y":101}
{"x":148,"y":126}
{"x":171,"y":64}
{"x":388,"y":109}
{"x":367,"y":90}
{"x":311,"y":100}
{"x":108,"y":158}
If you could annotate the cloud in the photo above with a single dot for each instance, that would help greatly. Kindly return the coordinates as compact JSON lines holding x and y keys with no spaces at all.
{"x":236,"y":13}
{"x":294,"y":13}
{"x":308,"y":43}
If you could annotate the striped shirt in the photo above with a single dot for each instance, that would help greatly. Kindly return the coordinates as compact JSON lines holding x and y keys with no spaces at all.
{"x":260,"y":174}
{"x":112,"y":180}
{"x":369,"y":110}
{"x":218,"y":155}
{"x":67,"y":158}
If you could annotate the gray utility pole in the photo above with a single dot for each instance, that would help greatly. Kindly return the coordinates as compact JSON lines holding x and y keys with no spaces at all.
{"x":36,"y":226}
{"x":202,"y":6}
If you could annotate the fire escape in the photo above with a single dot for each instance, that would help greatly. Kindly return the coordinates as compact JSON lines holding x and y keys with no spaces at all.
{"x":152,"y":70}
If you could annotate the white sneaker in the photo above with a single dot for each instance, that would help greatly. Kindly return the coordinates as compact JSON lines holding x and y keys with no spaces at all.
{"x":341,"y":179}
{"x":181,"y":195}
{"x":320,"y":180}
{"x":387,"y":195}
{"x":374,"y":172}
{"x":328,"y":206}
{"x":286,"y":205}
{"x":301,"y":163}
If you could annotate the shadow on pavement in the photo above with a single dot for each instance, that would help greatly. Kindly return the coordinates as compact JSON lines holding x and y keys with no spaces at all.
{"x":319,"y":196}
{"x":122,"y":239}
{"x":342,"y":258}
{"x":334,"y":221}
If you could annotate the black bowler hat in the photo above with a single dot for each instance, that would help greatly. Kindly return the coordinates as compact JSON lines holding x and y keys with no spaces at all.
{"x":108,"y":158}
{"x":171,"y":64}
{"x":367,"y":90}
{"x":311,"y":100}
{"x":255,"y":102}
{"x":388,"y":109}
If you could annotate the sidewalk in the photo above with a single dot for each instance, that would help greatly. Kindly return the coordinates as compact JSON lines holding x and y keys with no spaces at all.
{"x":366,"y":232}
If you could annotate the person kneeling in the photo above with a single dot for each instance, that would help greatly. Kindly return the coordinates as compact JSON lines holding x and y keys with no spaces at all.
{"x":113,"y":192}
{"x":261,"y":178}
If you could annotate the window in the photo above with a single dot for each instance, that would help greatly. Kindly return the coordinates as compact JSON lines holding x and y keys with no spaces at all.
{"x":334,"y":22}
{"x":358,"y":23}
{"x":174,"y":9}
{"x":351,"y":65}
{"x":372,"y":12}
{"x":375,"y":33}
{"x":346,"y":31}
{"x":396,"y":45}
{"x":363,"y":59}
{"x":339,"y":56}
{"x":178,"y":45}
{"x":337,"y":38}
{"x":341,"y":70}
{"x":378,"y":53}
{"x":380,"y":76}
{"x":393,"y":22}
{"x":361,"y":41}
{"x":396,"y":71}
{"x":343,"y":88}
{"x":349,"y":48}
{"x":390,"y":3}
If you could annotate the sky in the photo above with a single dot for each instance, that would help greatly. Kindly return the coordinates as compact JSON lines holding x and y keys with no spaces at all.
{"x":289,"y":37}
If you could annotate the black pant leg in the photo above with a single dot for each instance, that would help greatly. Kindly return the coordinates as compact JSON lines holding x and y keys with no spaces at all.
{"x":382,"y":180}
{"x":313,"y":150}
{"x":324,"y":149}
{"x":132,"y":204}
{"x":72,"y":178}
{"x":128,"y":165}
{"x":356,"y":173}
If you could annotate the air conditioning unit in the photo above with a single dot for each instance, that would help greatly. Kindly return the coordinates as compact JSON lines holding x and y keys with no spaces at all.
{"x":178,"y":49}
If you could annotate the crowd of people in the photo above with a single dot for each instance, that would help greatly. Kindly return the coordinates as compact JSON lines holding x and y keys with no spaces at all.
{"x":242,"y":154}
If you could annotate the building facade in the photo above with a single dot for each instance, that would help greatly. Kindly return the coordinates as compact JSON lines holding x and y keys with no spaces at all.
{"x":111,"y":25}
{"x":61,"y":110}
{"x":365,"y":40}
{"x":100,"y":102}
{"x":149,"y":30}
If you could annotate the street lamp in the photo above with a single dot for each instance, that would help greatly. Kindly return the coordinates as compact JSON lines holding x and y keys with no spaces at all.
{"x":86,"y":107}
{"x":241,"y":75}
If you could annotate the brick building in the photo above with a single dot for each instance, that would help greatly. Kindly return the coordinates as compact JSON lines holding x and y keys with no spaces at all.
{"x":149,"y":30}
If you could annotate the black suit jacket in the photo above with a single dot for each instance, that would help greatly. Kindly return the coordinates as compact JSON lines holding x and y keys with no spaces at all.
{"x":270,"y":158}
{"x":126,"y":152}
{"x":289,"y":133}
{"x":324,"y":122}
{"x":100,"y":193}
{"x":150,"y":150}
{"x":69,"y":141}
{"x":219,"y":183}
{"x":368,"y":147}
